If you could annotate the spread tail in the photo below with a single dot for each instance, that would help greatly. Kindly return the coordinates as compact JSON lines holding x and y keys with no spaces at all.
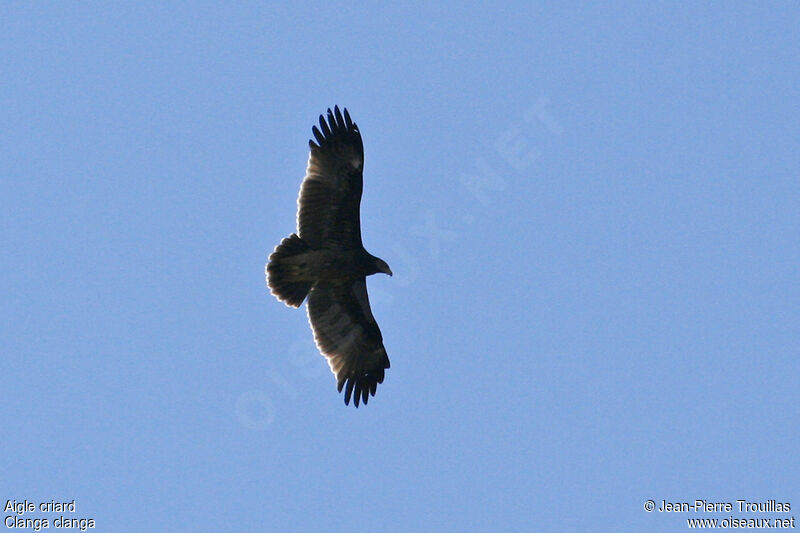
{"x":283,"y":270}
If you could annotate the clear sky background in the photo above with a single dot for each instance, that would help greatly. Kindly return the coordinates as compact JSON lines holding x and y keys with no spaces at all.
{"x":592,"y":213}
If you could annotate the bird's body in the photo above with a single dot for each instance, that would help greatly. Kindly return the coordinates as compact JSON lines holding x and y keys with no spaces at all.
{"x":326,"y":262}
{"x":330,"y":264}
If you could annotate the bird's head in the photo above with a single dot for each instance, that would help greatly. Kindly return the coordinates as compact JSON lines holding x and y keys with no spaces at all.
{"x":381,"y":266}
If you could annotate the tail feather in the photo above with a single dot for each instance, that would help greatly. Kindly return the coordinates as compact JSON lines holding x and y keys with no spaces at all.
{"x":282,"y":273}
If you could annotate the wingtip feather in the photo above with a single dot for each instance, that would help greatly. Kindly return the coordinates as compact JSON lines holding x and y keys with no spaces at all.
{"x":348,"y":391}
{"x":339,"y":120}
{"x":324,"y":126}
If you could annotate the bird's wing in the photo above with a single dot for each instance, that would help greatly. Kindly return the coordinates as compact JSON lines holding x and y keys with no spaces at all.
{"x":330,"y":196}
{"x":346,"y":333}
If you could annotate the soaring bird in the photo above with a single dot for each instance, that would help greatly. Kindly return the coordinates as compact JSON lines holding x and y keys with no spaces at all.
{"x":326,"y":262}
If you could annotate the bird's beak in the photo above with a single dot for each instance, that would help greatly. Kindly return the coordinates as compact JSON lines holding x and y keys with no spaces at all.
{"x":382,"y":266}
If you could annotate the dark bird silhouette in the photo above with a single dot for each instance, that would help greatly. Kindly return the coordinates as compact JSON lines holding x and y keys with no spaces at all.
{"x":326,"y":261}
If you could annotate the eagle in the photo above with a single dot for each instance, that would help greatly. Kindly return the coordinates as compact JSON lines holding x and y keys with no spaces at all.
{"x":326,"y":264}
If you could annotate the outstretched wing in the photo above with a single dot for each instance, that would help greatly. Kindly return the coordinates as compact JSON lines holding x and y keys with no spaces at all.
{"x":346,"y":333}
{"x":330,"y":196}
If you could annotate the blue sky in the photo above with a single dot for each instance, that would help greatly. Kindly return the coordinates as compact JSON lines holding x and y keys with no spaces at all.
{"x":592,"y":216}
